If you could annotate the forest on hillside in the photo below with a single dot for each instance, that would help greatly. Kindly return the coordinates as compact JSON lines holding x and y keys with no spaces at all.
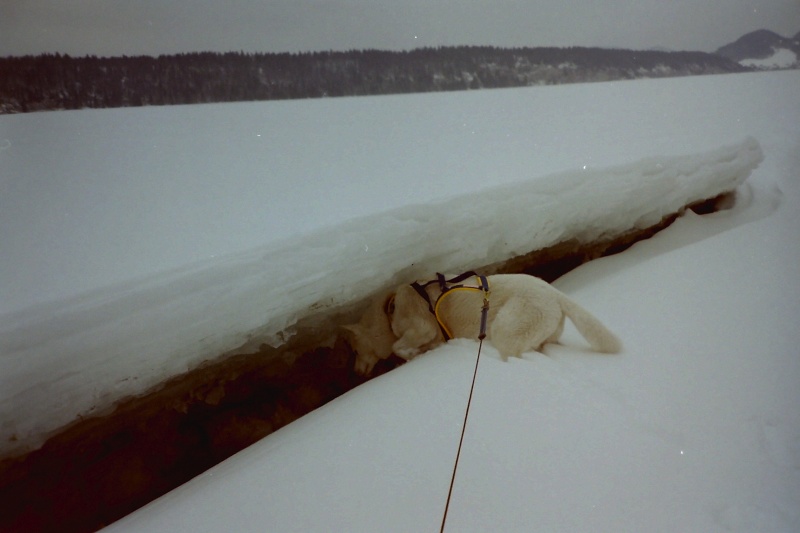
{"x":56,"y":81}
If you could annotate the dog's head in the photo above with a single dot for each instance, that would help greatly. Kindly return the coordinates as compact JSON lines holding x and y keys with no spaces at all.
{"x":372,"y":337}
{"x":412,"y":323}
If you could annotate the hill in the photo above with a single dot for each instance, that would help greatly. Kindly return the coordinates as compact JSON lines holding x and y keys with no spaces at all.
{"x":763,"y":49}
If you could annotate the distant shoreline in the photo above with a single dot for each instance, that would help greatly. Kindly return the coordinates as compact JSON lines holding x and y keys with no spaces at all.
{"x":60,"y":82}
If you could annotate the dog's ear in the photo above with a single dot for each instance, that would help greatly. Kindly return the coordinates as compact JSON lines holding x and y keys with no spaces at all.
{"x":351,"y":329}
{"x":407,"y":299}
{"x":388,"y":305}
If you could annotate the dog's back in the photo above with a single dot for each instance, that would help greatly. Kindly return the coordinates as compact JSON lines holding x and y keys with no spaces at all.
{"x":525,"y":312}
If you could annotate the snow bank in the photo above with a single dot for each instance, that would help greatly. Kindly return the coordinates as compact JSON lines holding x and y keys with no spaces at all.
{"x":97,"y":198}
{"x":98,"y":348}
{"x":135,"y":243}
{"x":694,"y":427}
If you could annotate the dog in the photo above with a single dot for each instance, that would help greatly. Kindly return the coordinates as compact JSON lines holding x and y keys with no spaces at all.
{"x":372,"y":338}
{"x":524,"y":313}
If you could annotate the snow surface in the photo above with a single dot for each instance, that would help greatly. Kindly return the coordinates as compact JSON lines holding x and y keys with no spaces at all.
{"x":139,"y":242}
{"x":781,"y":58}
{"x":694,"y":427}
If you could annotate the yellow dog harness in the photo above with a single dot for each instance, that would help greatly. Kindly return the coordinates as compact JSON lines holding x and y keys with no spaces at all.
{"x":446,"y":289}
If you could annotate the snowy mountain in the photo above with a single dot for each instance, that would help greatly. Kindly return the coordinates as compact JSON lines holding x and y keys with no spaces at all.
{"x":764,"y":49}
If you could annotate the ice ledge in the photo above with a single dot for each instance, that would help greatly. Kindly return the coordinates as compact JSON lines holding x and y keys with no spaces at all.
{"x":61,"y":361}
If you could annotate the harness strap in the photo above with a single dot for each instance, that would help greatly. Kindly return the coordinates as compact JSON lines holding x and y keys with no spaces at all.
{"x":422,"y":292}
{"x":440,"y":279}
{"x":445,"y":289}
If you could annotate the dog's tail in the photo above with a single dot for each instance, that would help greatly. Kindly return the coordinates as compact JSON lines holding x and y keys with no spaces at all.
{"x":598,"y":336}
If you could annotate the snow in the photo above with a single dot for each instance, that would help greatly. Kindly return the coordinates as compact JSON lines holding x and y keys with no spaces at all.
{"x":781,"y":58}
{"x":694,"y":427}
{"x":110,"y":221}
{"x":693,"y":424}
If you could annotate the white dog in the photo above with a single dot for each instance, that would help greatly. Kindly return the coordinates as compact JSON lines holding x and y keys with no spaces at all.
{"x":524,"y":313}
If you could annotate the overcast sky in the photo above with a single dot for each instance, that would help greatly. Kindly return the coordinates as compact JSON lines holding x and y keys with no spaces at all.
{"x":152,"y":27}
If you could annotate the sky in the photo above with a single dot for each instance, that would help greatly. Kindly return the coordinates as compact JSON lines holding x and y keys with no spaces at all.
{"x":153,"y":27}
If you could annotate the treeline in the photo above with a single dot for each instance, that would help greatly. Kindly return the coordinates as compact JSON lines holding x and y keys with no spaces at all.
{"x":55,"y":81}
